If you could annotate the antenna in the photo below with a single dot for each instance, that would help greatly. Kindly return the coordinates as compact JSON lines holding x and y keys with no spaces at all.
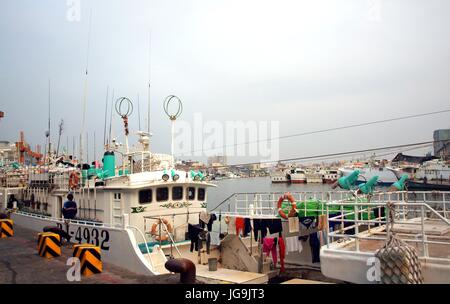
{"x":95,"y":143}
{"x":139,"y":113}
{"x":149,"y":74}
{"x":173,"y":117}
{"x":60,"y":130}
{"x":87,"y":147}
{"x":85,"y":88}
{"x":106,"y":111}
{"x":111,"y":119}
{"x":48,"y":134}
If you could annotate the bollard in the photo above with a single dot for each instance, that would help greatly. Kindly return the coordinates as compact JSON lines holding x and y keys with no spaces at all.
{"x":184,"y":267}
{"x":6,"y":228}
{"x":49,"y":245}
{"x":90,"y":258}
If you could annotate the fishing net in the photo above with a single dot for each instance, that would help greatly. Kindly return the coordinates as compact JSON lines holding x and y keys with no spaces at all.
{"x":399,"y":262}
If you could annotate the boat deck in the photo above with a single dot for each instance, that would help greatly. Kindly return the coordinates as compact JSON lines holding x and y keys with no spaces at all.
{"x":435,"y":231}
{"x":224,"y":276}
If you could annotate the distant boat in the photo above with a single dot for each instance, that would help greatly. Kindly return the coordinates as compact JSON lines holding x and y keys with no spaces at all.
{"x":433,"y":170}
{"x":330,"y":176}
{"x":279,"y":176}
{"x":420,"y":186}
{"x":298,"y":176}
{"x":314,"y":177}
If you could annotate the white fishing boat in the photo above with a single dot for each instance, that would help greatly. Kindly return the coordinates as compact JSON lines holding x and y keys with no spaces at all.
{"x":279,"y":176}
{"x":331,"y":176}
{"x":434,"y":170}
{"x":137,"y":208}
{"x":297,"y":176}
{"x":315,"y":176}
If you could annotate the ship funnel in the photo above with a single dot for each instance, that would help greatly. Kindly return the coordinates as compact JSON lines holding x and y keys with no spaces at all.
{"x":109,"y":164}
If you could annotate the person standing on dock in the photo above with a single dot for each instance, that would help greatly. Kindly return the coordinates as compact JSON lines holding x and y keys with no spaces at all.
{"x":69,"y":209}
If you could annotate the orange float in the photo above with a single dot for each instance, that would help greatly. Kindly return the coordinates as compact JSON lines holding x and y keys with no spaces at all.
{"x":291,"y":199}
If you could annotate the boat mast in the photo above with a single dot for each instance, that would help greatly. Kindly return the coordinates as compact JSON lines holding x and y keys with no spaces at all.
{"x":106,"y":111}
{"x":111,"y":121}
{"x":85,"y":89}
{"x":139,"y":112}
{"x":148,"y":101}
{"x":149,"y":74}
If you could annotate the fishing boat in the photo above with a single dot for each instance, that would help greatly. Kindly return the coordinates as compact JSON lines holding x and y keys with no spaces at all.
{"x":331,"y":176}
{"x":279,"y":176}
{"x":434,"y":171}
{"x":297,"y":176}
{"x":315,"y":176}
{"x":137,"y":208}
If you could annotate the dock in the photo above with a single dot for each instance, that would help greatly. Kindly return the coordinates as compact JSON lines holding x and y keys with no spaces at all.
{"x":21,"y":264}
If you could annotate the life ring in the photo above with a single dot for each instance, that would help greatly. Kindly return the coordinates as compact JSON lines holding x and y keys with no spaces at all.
{"x":73,"y":180}
{"x":156,"y":234}
{"x":290,"y":198}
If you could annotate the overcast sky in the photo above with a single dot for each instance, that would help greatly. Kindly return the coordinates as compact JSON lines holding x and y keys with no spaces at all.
{"x":309,"y":64}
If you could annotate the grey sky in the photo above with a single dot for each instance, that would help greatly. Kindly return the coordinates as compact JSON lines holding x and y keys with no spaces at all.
{"x":310,"y":64}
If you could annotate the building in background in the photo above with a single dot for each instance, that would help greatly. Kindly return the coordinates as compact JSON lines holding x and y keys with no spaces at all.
{"x":8,"y":153}
{"x":441,"y":143}
{"x":217,"y":160}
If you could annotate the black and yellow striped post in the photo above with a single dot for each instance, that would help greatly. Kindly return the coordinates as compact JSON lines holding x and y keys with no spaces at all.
{"x":49,"y":245}
{"x":6,"y":228}
{"x":90,"y":258}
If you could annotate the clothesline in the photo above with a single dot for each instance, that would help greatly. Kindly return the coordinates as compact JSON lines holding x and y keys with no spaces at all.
{"x":255,"y":216}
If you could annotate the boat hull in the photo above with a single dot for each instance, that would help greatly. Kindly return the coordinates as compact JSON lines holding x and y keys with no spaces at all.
{"x":415,"y":186}
{"x":298,"y":181}
{"x":118,"y":246}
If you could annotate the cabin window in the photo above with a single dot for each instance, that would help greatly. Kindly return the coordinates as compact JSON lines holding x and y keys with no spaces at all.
{"x":177,"y":193}
{"x":201,"y":194}
{"x":145,"y":196}
{"x":162,"y":194}
{"x":191,"y":193}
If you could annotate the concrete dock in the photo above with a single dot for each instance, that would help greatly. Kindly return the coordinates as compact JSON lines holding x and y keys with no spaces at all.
{"x":21,"y":264}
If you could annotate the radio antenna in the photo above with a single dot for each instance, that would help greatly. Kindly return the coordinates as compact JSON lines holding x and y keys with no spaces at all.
{"x":106,"y":115}
{"x":85,"y":89}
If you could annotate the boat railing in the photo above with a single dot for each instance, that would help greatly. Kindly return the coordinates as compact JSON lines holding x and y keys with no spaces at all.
{"x":163,"y":227}
{"x":141,"y":234}
{"x":355,"y":223}
{"x":265,"y":203}
{"x":71,"y":221}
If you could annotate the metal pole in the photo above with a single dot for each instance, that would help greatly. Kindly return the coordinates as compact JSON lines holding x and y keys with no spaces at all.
{"x":172,"y":143}
{"x":425,"y":253}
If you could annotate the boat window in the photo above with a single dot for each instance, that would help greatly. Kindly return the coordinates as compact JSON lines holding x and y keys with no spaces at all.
{"x":201,"y":194}
{"x":191,"y":193}
{"x":162,"y":194}
{"x":145,"y":196}
{"x":177,"y":193}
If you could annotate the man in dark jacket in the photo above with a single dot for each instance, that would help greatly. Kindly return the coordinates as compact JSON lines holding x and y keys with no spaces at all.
{"x":69,"y":209}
